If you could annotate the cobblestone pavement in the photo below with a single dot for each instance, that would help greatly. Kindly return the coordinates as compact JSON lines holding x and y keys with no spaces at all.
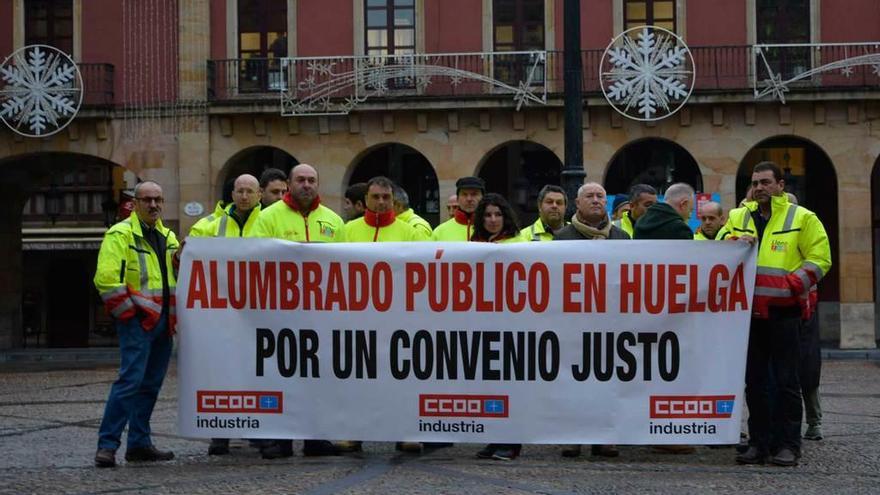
{"x":49,"y":420}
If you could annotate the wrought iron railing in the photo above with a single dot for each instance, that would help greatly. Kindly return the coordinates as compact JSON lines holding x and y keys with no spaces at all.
{"x":98,"y":80}
{"x":719,"y":69}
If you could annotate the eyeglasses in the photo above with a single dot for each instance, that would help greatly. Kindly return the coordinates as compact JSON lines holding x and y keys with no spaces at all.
{"x":152,"y":199}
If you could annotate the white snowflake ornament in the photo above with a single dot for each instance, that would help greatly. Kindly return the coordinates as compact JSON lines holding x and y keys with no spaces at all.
{"x":647,"y":73}
{"x":40,"y":90}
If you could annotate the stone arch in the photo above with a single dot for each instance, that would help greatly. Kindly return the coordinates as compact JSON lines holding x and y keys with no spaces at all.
{"x":518,"y":170}
{"x":811,"y":176}
{"x":656,"y":161}
{"x":407,"y":167}
{"x":251,"y":160}
{"x":58,"y":206}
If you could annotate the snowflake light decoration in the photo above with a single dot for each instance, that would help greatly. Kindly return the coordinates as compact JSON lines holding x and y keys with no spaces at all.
{"x":40,"y":90}
{"x":647,"y":73}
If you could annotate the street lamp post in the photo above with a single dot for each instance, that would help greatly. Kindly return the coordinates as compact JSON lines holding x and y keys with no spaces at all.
{"x":573,"y":174}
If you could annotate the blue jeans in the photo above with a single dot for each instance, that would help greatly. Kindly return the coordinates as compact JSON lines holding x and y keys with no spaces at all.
{"x":144,"y":360}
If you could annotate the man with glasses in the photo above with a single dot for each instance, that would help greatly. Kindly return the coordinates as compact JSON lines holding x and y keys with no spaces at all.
{"x":136,"y":280}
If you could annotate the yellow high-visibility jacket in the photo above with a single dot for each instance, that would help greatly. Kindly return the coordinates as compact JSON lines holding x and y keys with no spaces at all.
{"x":537,"y":232}
{"x":420,"y":225}
{"x":626,"y":224}
{"x":793,"y":254}
{"x":128,"y":276}
{"x":222,"y":224}
{"x":458,"y":228}
{"x":282,"y":221}
{"x":367,"y":229}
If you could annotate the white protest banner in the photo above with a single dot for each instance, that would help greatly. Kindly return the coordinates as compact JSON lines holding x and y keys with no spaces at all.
{"x":628,"y":342}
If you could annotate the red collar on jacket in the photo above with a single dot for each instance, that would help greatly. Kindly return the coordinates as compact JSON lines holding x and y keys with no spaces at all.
{"x":374,"y":219}
{"x":463,"y":218}
{"x":288,"y":200}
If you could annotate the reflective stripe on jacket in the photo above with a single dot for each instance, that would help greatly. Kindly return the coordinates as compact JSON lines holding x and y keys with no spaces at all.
{"x":537,"y":232}
{"x":793,"y":254}
{"x":128,"y":276}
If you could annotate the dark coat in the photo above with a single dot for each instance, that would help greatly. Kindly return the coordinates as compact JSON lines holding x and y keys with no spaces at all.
{"x":569,"y":233}
{"x":662,"y":222}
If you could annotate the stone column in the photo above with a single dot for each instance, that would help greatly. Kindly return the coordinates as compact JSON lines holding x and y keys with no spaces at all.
{"x":194,"y":138}
{"x":856,"y":268}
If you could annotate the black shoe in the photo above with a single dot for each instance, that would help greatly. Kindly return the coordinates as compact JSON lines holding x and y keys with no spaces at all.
{"x":314,"y":448}
{"x":437,"y":445}
{"x":506,"y":452}
{"x":409,"y":447}
{"x":148,"y":454}
{"x":219,"y":446}
{"x":604,"y":450}
{"x":105,"y":458}
{"x":571,"y":450}
{"x":277,"y":449}
{"x":752,"y":455}
{"x":785,"y":457}
{"x":488,"y":451}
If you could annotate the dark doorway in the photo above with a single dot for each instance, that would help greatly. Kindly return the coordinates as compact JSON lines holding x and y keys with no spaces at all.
{"x":408,"y":168}
{"x":809,"y":175}
{"x":254,"y":161}
{"x":653,"y":161}
{"x":518,"y":170}
{"x":68,"y":319}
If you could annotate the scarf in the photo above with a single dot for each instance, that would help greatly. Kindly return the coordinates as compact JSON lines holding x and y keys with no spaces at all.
{"x":593,"y":233}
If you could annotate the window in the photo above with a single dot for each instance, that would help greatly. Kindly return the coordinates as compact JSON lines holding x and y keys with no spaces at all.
{"x":262,"y":38}
{"x":390,"y":27}
{"x":784,"y":21}
{"x":660,"y":13}
{"x":49,"y":22}
{"x":518,"y":25}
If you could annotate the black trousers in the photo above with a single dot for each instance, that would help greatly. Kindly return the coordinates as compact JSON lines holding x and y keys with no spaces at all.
{"x":774,"y":347}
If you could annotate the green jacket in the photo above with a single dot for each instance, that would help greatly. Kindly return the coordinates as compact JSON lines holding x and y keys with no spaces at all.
{"x":661,"y":221}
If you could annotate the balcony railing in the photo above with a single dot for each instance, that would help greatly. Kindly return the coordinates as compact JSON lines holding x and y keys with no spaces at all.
{"x":719,"y":69}
{"x":97,"y":84}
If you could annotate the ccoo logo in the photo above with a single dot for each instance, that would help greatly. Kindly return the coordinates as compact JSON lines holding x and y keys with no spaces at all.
{"x":468,"y":406}
{"x":692,"y":406}
{"x":239,"y":401}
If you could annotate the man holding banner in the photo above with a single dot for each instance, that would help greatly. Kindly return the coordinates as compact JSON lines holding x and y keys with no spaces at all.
{"x":591,"y":222}
{"x":793,"y":255}
{"x":299,"y":217}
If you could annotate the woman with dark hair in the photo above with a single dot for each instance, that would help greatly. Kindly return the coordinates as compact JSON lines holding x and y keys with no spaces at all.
{"x":495,"y":221}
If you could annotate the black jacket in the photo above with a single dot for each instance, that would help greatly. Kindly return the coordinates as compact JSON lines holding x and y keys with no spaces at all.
{"x":569,"y":233}
{"x":662,"y":222}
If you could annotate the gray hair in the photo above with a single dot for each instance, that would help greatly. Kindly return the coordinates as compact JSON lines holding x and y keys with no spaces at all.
{"x":140,"y":185}
{"x":400,"y":195}
{"x":713,"y":205}
{"x":679,"y":190}
{"x":584,"y":187}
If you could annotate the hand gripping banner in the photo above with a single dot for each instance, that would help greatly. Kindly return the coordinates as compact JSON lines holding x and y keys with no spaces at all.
{"x":626,"y":342}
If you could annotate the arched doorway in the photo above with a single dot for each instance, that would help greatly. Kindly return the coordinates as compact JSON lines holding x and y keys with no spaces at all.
{"x":810,"y":175}
{"x":518,"y":170}
{"x":408,"y":168}
{"x":252,"y":161}
{"x":653,"y":161}
{"x":58,"y":216}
